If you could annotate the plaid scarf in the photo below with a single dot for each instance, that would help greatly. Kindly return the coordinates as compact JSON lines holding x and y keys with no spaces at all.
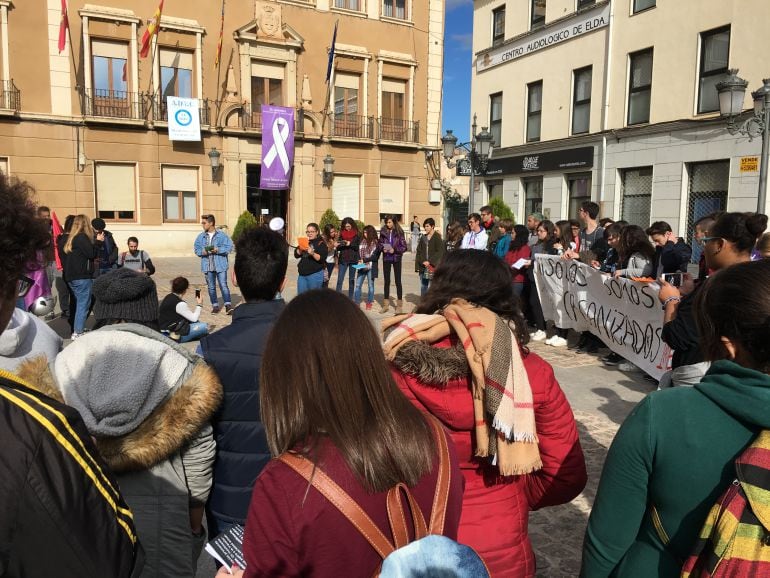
{"x":502,"y":397}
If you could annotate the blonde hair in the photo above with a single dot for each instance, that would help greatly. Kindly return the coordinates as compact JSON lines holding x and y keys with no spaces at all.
{"x":80,"y":224}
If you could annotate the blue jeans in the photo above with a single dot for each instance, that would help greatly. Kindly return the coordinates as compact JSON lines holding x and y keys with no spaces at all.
{"x":424,"y":284}
{"x":367,"y":275}
{"x":197,"y":330}
{"x":343,"y":267}
{"x":310,"y":282}
{"x":81,"y":288}
{"x":212,"y":277}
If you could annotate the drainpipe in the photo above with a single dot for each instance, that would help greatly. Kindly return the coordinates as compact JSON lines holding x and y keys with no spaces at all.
{"x":606,"y":106}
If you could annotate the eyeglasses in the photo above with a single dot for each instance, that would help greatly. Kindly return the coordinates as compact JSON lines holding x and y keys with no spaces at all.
{"x":23,"y":285}
{"x":705,"y":240}
{"x":311,"y":231}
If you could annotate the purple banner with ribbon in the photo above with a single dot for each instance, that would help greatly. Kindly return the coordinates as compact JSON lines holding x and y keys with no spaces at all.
{"x":277,"y":147}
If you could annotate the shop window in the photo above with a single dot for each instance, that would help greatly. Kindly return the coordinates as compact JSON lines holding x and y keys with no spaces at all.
{"x":636,"y":196}
{"x":533,"y":196}
{"x":579,"y":187}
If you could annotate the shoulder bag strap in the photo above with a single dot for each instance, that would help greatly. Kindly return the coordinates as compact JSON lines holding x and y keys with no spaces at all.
{"x":341,"y":500}
{"x":397,"y":517}
{"x":441,"y":496}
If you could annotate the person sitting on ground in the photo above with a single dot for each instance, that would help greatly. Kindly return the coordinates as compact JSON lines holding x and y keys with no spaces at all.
{"x":675,"y":453}
{"x":136,"y":258}
{"x":175,"y":316}
{"x":61,"y":510}
{"x":235,"y":353}
{"x":504,"y":230}
{"x":334,"y":413}
{"x":519,"y":249}
{"x":672,"y":254}
{"x":636,"y":253}
{"x":730,"y":241}
{"x":444,"y":364}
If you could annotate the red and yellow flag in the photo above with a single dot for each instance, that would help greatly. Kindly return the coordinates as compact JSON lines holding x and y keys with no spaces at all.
{"x":63,"y":25}
{"x":221,"y":35}
{"x":152,"y":29}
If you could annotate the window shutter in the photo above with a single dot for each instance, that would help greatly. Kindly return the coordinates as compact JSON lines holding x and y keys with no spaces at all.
{"x":392,"y":195}
{"x":267,"y":70}
{"x":180,"y":179}
{"x":109,"y":49}
{"x":115,"y":187}
{"x":346,"y":196}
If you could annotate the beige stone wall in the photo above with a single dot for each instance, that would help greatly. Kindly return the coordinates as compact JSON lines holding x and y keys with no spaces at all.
{"x":52,"y":145}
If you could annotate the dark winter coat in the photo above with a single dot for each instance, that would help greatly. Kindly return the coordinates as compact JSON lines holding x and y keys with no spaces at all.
{"x":79,"y":263}
{"x":235,"y":353}
{"x":431,"y":250}
{"x":672,"y":257}
{"x":61,"y":512}
{"x":395,"y":240}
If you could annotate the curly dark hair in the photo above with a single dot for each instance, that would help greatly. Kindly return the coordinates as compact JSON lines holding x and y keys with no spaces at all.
{"x":22,"y":234}
{"x":480,"y":278}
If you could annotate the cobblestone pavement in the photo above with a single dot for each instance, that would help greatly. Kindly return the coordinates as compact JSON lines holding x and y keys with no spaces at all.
{"x":601,"y":398}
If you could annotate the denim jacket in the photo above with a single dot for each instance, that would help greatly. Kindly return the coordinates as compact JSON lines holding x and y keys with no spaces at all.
{"x":218,"y":260}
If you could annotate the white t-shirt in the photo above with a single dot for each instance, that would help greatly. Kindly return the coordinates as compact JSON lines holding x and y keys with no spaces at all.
{"x":473,"y":240}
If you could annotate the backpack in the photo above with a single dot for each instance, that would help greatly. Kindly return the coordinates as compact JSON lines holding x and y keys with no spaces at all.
{"x":404,"y":552}
{"x":735,"y":538}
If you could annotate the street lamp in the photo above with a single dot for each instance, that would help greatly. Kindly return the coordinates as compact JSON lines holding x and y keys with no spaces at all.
{"x":479,"y":150}
{"x":214,"y":155}
{"x":731,"y":96}
{"x":327,"y":176}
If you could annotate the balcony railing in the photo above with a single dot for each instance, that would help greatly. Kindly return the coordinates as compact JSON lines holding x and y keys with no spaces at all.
{"x":10,"y":96}
{"x":399,"y":130}
{"x":351,"y":126}
{"x":116,"y":104}
{"x":160,"y":110}
{"x":252,"y":119}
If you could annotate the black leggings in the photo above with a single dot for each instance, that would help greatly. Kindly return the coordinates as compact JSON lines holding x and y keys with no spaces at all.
{"x":535,"y":308}
{"x":386,"y":265}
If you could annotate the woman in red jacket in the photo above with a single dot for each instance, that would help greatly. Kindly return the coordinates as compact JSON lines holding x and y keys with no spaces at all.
{"x":327,"y":396}
{"x":437,"y":379}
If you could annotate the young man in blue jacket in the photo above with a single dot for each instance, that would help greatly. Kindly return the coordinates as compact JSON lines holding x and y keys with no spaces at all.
{"x":213,"y":246}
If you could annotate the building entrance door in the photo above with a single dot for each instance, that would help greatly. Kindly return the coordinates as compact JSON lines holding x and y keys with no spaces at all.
{"x":264,"y":204}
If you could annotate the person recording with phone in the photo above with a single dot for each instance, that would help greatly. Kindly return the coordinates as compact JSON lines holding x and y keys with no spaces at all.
{"x":176,"y":317}
{"x":730,"y":241}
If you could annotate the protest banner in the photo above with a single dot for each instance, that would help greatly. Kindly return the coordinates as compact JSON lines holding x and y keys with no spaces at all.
{"x":624,"y":314}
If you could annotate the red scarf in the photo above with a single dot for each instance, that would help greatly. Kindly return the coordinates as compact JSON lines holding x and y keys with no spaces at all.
{"x":348,"y":235}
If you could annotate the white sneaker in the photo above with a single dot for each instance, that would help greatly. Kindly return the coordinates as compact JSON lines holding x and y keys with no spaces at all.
{"x":538,"y":335}
{"x":627,"y":366}
{"x":74,"y":336}
{"x":548,"y":341}
{"x":557,"y":341}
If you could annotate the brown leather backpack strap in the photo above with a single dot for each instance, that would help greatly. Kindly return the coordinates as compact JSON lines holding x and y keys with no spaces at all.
{"x":341,"y":500}
{"x":441,"y":496}
{"x":397,"y":518}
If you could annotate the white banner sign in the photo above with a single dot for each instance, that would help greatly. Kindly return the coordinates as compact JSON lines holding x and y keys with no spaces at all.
{"x":579,"y":25}
{"x":184,"y":121}
{"x":624,"y":314}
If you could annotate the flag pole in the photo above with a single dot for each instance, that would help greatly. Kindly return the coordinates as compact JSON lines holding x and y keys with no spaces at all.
{"x":329,"y":70}
{"x":219,"y":60}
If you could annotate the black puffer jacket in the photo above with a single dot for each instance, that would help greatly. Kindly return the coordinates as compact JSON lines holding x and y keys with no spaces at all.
{"x":61,"y":513}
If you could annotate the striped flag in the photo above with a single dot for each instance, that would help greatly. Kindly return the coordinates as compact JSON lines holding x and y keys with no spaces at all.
{"x":63,"y":25}
{"x":221,"y":35}
{"x":152,"y":30}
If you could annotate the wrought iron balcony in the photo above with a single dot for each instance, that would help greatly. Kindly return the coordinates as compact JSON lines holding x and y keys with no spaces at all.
{"x":351,"y":126}
{"x":115,"y":104}
{"x":10,"y":96}
{"x":399,"y":130}
{"x":160,"y":110}
{"x":251,"y":119}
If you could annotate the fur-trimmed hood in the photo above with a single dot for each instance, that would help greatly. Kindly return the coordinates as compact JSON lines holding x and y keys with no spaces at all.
{"x":431,"y":365}
{"x":141,"y":395}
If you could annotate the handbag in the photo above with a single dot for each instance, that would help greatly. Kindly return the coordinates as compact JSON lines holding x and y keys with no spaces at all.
{"x":427,"y":272}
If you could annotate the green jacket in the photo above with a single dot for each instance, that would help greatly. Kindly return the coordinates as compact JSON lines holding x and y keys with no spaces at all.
{"x":435,"y":251}
{"x":675,"y":450}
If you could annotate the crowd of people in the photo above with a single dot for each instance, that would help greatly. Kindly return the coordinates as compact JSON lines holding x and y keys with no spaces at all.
{"x":341,"y":451}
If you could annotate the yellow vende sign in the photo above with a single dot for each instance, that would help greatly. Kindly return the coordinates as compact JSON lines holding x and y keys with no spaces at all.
{"x":749,"y":164}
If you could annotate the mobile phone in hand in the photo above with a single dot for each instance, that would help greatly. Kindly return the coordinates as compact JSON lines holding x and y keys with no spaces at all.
{"x":197,"y":293}
{"x":674,"y":279}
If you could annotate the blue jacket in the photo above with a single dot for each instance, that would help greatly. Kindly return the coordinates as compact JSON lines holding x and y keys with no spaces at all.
{"x":218,"y":260}
{"x":502,"y":246}
{"x":235,"y":353}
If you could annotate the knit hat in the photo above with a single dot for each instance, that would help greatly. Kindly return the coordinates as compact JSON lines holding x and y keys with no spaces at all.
{"x":127,"y":295}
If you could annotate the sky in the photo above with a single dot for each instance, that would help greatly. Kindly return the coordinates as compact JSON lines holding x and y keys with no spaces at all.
{"x":457,"y":68}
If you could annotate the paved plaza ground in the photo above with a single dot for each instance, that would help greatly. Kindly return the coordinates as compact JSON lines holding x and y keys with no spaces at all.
{"x":601,"y":397}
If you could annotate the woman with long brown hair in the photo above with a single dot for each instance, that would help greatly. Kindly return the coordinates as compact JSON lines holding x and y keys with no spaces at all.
{"x":80,"y":250}
{"x":454,"y":235}
{"x":515,"y":434}
{"x":332,"y":406}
